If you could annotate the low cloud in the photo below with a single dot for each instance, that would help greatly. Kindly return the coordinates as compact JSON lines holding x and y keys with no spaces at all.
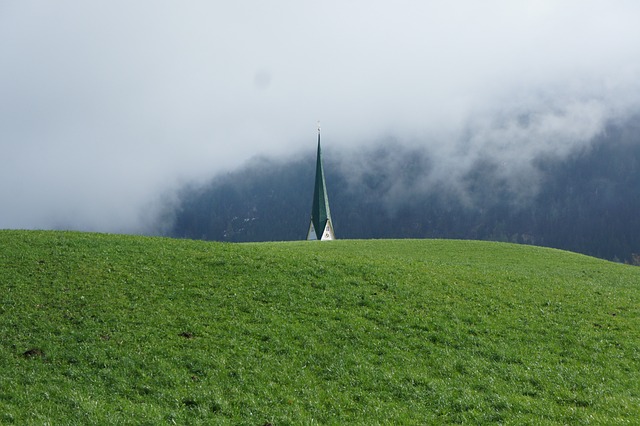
{"x":106,"y":108}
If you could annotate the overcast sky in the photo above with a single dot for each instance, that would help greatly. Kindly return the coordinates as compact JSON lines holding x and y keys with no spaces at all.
{"x":105,"y":105}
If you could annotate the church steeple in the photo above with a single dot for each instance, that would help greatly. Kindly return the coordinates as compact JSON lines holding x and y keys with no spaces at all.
{"x":321,"y":227}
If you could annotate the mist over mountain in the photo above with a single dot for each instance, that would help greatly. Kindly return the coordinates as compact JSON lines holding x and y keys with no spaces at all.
{"x":108,"y":107}
{"x":587,"y":200}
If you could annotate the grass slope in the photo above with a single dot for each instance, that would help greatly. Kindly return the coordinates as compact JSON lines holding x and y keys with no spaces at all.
{"x":98,"y":329}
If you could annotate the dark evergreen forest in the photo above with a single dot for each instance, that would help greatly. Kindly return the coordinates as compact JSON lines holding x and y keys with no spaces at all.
{"x":587,"y":202}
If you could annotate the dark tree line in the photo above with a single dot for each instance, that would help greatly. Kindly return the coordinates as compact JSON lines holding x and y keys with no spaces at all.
{"x":588,"y":202}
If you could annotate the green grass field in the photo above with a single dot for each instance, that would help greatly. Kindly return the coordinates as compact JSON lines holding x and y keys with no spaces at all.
{"x":110,"y":329}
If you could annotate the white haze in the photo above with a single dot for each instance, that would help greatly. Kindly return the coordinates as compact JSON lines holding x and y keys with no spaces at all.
{"x":106,"y":106}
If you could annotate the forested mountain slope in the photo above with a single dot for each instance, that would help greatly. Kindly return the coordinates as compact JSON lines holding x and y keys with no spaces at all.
{"x":588,"y":201}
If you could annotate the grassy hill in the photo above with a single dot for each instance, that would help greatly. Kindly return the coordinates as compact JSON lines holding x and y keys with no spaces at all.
{"x":98,"y":329}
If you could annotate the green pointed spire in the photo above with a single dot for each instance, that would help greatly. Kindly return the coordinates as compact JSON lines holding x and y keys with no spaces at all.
{"x":320,"y":227}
